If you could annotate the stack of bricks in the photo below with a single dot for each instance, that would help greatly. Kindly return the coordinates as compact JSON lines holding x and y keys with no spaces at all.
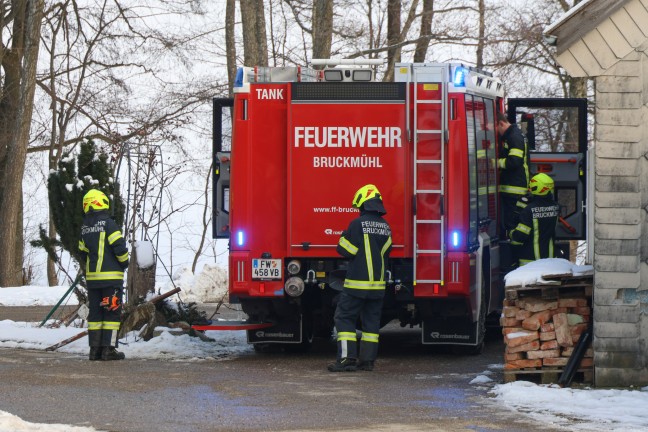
{"x":542,"y":333}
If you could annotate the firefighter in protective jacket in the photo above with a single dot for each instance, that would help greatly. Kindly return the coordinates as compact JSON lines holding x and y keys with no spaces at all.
{"x":105,"y":255}
{"x":513,"y":167}
{"x":536,"y":229}
{"x":367,"y":243}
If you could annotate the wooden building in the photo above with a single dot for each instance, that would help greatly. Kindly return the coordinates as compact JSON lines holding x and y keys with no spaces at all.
{"x":607,"y":41}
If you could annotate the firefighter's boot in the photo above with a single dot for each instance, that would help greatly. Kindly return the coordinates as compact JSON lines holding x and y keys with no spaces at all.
{"x":95,"y":353}
{"x":343,"y":365}
{"x":367,"y":365}
{"x":110,"y":353}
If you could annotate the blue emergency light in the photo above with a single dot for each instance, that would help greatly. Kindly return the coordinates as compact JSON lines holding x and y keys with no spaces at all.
{"x":459,"y":79}
{"x":238,"y":81}
{"x":239,"y":238}
{"x":455,"y":238}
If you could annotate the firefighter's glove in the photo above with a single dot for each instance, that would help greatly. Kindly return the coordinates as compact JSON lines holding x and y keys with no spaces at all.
{"x":111,"y":303}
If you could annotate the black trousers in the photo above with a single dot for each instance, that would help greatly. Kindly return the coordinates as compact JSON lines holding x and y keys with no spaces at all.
{"x":349,"y":308}
{"x":103,"y":324}
{"x":510,"y":212}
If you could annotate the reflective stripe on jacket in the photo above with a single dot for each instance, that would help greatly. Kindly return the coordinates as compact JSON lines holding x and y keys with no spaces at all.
{"x":103,"y":249}
{"x":536,"y":230}
{"x":367,"y":243}
{"x":513,"y":162}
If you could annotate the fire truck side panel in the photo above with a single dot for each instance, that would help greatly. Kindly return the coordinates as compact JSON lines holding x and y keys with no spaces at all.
{"x":258,"y":191}
{"x":330,"y":157}
{"x":457,"y":201}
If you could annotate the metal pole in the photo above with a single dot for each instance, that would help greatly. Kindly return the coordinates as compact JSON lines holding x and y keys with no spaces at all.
{"x":74,"y":284}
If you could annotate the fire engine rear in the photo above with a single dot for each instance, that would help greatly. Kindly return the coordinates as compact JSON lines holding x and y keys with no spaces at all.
{"x":303,"y":141}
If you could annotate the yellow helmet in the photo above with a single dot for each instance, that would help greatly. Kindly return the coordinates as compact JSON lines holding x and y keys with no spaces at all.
{"x":541,"y":184}
{"x":95,"y":200}
{"x":365,"y":193}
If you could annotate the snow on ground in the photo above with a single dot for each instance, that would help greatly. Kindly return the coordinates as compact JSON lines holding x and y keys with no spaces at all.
{"x":12,"y":423}
{"x":564,"y":408}
{"x":170,"y":344}
{"x":577,"y":409}
{"x":33,"y":296}
{"x":208,"y":286}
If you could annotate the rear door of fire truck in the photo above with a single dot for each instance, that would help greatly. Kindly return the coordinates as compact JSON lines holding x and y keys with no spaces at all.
{"x":556,"y":132}
{"x":221,"y":147}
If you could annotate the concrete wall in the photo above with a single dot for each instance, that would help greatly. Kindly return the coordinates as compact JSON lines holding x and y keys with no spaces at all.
{"x":621,"y":236}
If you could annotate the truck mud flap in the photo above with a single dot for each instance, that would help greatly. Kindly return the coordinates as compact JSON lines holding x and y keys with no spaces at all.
{"x":283,"y":332}
{"x":449,"y":332}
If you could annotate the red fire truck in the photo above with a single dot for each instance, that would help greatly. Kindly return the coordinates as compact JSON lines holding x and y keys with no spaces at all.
{"x":303,"y":141}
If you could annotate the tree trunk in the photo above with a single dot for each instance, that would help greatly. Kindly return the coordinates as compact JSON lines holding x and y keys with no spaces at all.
{"x":481,"y":42}
{"x":16,"y":106}
{"x":393,"y":37}
{"x":322,"y":28}
{"x":140,"y":282}
{"x":426,"y":30}
{"x":255,"y":43}
{"x":52,"y":279}
{"x":230,"y":44}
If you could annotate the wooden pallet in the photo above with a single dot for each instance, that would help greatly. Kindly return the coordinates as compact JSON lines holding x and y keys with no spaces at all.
{"x":548,"y":292}
{"x":558,"y":286}
{"x":546,"y":375}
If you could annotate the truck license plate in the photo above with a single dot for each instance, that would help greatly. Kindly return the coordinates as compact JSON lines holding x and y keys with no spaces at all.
{"x":266,"y":268}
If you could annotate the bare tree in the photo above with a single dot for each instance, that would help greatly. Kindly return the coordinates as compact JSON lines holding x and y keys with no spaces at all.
{"x":254,"y":33}
{"x":322,"y":28}
{"x":515,"y":48}
{"x":230,"y":45}
{"x":396,"y":36}
{"x":83,"y":58}
{"x":21,"y":23}
{"x":481,"y":40}
{"x":426,"y":31}
{"x":393,"y":36}
{"x":206,"y":220}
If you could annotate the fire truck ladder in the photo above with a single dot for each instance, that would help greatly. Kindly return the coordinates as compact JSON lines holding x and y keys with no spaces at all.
{"x":429,"y":133}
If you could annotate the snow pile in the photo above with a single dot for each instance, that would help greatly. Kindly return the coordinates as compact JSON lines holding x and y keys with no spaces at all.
{"x":481,"y":379}
{"x":586,"y":409}
{"x":34,"y":296}
{"x":144,"y":253}
{"x":532,"y":273}
{"x":12,"y":423}
{"x":208,"y":286}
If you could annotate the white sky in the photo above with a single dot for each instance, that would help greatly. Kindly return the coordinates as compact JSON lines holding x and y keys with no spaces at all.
{"x":570,"y":409}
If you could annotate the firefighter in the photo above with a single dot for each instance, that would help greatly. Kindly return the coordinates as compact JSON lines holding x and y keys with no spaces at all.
{"x":535,"y":232}
{"x":513,"y":167}
{"x":104,"y":252}
{"x":367,"y":244}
